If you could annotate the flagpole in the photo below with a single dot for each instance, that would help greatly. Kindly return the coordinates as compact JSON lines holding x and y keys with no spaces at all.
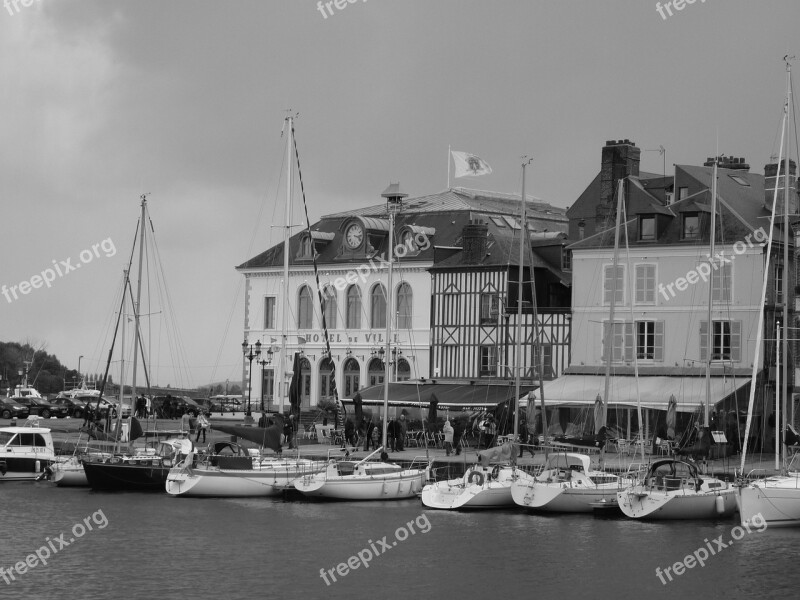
{"x":448,"y":166}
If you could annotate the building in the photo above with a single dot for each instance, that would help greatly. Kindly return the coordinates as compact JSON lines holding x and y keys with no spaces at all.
{"x":351,"y":249}
{"x":662,"y":284}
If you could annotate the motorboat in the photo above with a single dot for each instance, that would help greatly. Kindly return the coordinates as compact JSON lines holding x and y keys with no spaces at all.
{"x":25,"y":451}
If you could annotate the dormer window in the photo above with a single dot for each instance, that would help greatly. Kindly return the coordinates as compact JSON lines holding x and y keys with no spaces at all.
{"x":647,"y":228}
{"x":305,"y":248}
{"x":412,"y":240}
{"x":566,"y":259}
{"x":317,"y":240}
{"x":691,"y":226}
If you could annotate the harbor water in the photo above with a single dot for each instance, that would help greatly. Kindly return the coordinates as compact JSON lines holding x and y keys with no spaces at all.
{"x":146,"y":546}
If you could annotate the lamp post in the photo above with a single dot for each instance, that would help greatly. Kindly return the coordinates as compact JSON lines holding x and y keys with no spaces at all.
{"x":250,"y":354}
{"x":264,"y":362}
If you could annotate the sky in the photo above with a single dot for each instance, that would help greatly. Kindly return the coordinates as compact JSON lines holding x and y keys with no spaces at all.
{"x":105,"y":100}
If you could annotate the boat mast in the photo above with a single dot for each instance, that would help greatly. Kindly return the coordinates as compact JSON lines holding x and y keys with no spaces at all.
{"x":122,"y":361}
{"x":523,"y":242}
{"x":136,"y":310}
{"x":285,"y":309}
{"x":710,"y":328}
{"x":610,"y":333}
{"x":786,"y":329}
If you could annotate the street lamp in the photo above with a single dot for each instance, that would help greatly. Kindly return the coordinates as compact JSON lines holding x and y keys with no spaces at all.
{"x":247,"y":350}
{"x":263,"y":363}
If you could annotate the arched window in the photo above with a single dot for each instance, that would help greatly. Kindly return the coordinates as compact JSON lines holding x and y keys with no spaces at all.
{"x":376,"y":371}
{"x":404,"y":301}
{"x":403,"y":370}
{"x":378,"y":307}
{"x":326,"y":380}
{"x":354,"y":307}
{"x":305,"y":310}
{"x":305,"y":247}
{"x":331,"y":306}
{"x":352,"y":372}
{"x":305,"y":382}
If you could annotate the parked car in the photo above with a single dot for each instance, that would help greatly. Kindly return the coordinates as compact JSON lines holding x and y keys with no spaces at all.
{"x":75,"y":406}
{"x":43,"y":407}
{"x":10,"y":408}
{"x":180,"y":406}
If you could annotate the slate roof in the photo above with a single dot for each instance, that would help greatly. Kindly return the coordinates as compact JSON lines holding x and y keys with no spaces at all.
{"x":446,"y":212}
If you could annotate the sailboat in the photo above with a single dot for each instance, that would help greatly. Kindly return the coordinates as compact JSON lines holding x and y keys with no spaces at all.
{"x":376,"y":480}
{"x":143,"y":469}
{"x":568,"y":482}
{"x":489,"y":483}
{"x":673,"y":488}
{"x":774,"y":501}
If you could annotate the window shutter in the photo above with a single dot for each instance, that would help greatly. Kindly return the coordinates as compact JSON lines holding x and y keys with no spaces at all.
{"x":606,"y":333}
{"x":703,"y":340}
{"x":658,"y":343}
{"x":736,"y":341}
{"x":628,"y":342}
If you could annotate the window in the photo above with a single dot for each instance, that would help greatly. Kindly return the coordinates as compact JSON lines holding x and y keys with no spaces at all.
{"x":621,"y":344}
{"x":645,"y":340}
{"x":691,"y":226}
{"x":610,"y":286}
{"x":305,"y":247}
{"x":647,"y":228}
{"x":403,"y":370}
{"x":513,"y":223}
{"x":726,"y":340}
{"x":305,"y":308}
{"x":683,"y":192}
{"x":581,"y":229}
{"x":331,"y":306}
{"x":490,"y":307}
{"x":376,"y":371}
{"x":739,"y":180}
{"x":566,"y":259}
{"x":327,"y":383}
{"x":645,"y":284}
{"x":545,"y":362}
{"x":721,"y":283}
{"x":353,"y":307}
{"x":488,"y":358}
{"x":269,"y":312}
{"x":498,"y":221}
{"x":352,"y":372}
{"x":404,"y":306}
{"x":778,"y":270}
{"x":268,"y":386}
{"x":378,"y":307}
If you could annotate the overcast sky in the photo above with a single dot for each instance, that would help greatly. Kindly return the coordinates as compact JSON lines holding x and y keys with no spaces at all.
{"x":103,"y":100}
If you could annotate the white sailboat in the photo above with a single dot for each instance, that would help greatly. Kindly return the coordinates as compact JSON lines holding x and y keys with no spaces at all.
{"x":238,"y":474}
{"x":365,"y":480}
{"x":489,"y":484}
{"x":774,"y":500}
{"x":673,"y":488}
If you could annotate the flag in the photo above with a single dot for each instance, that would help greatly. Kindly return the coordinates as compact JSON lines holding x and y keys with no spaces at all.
{"x":469,"y":165}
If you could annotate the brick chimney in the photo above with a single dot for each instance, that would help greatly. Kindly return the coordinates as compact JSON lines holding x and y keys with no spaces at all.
{"x":620,"y":159}
{"x":771,"y":178}
{"x":728,"y":162}
{"x":475,"y":241}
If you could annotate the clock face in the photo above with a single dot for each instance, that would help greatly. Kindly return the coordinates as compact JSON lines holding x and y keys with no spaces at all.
{"x":354,"y":235}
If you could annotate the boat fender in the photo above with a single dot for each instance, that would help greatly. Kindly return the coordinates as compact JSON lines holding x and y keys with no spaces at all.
{"x":720,"y":504}
{"x":496,"y":472}
{"x":475,"y":477}
{"x":38,"y":466}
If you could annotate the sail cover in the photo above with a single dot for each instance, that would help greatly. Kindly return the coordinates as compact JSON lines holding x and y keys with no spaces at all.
{"x":497,"y":454}
{"x":269,"y":437}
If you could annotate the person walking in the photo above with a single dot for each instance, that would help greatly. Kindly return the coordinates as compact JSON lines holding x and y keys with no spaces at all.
{"x":458,"y":434}
{"x":525,"y":439}
{"x":391,"y":434}
{"x":202,"y":425}
{"x":401,"y":434}
{"x":448,"y":437}
{"x":368,"y":436}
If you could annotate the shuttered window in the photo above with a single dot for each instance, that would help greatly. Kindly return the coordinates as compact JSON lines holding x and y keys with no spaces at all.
{"x":726,"y":341}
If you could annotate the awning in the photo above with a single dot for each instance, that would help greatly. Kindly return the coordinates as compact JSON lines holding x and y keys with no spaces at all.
{"x":449,"y":395}
{"x":654,"y":392}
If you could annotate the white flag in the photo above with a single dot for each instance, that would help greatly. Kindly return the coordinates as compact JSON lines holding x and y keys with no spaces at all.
{"x":469,"y":164}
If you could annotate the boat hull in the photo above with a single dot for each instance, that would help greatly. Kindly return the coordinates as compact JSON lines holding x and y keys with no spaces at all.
{"x":774,"y":501}
{"x":68,"y":473}
{"x":394,"y":486}
{"x":265,"y":481}
{"x":480,"y":488}
{"x":562,"y":497}
{"x":23,"y":468}
{"x":640,"y":503}
{"x":125,"y":476}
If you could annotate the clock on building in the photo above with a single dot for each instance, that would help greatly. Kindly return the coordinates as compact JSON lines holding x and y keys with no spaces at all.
{"x":354,"y":235}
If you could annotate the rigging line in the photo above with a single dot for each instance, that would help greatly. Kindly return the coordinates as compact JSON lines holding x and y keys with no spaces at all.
{"x":319,"y":289}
